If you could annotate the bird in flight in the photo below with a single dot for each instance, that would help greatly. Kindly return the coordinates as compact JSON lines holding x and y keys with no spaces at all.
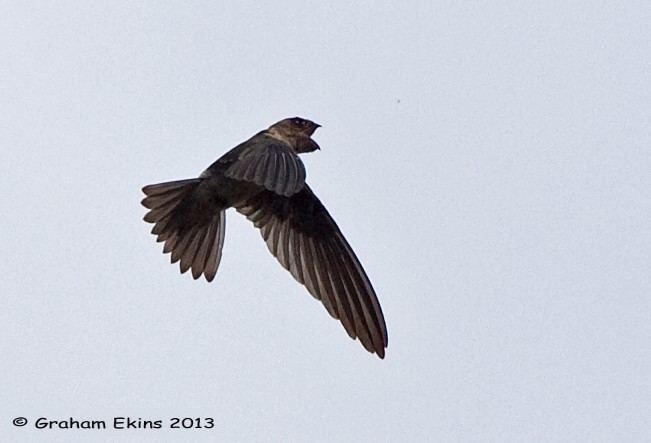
{"x":263,"y":178}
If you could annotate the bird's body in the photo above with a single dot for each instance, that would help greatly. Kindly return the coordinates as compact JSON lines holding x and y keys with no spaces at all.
{"x":264,"y":179}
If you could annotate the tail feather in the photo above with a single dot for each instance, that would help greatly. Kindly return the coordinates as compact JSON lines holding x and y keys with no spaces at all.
{"x":189,"y":230}
{"x":167,"y":187}
{"x":202,"y":252}
{"x":214,"y":248}
{"x":188,"y":258}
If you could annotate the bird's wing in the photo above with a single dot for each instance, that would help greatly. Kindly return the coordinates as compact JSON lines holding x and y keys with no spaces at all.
{"x":268,"y":163}
{"x":305,"y":239}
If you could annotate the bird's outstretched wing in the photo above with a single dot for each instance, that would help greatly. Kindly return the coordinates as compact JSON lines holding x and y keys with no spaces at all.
{"x":268,"y":163}
{"x":305,"y":239}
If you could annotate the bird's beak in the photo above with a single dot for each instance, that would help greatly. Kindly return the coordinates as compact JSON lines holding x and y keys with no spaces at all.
{"x":316,"y":126}
{"x":313,"y":127}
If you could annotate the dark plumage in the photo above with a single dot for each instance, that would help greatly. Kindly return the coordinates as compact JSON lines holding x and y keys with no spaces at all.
{"x":264,"y":179}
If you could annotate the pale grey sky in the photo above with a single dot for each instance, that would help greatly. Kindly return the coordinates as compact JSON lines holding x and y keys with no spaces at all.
{"x":489,"y":162}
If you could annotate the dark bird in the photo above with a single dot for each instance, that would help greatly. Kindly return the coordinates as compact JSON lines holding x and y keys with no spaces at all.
{"x":264,"y":179}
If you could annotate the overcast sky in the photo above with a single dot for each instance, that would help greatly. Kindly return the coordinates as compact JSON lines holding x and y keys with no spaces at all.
{"x":489,"y":162}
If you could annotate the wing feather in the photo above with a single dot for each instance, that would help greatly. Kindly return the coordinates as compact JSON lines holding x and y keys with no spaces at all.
{"x":271,"y":164}
{"x":305,"y":239}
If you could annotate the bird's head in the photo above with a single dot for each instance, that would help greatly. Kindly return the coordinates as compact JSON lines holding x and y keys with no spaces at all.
{"x":296,"y":131}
